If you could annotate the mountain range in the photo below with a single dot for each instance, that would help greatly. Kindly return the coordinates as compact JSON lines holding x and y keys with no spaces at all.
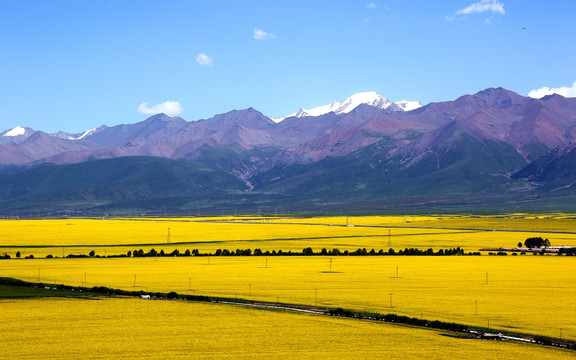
{"x":494,"y":150}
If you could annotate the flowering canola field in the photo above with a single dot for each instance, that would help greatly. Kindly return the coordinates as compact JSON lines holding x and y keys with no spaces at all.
{"x":529,"y":294}
{"x":116,"y":236}
{"x":128,"y":328}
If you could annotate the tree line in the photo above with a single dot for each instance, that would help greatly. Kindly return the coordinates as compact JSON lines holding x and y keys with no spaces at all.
{"x":305,"y":252}
{"x":259,"y":252}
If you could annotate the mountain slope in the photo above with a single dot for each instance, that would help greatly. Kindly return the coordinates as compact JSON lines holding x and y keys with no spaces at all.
{"x":456,"y":163}
{"x":112,"y":181}
{"x":556,"y":171}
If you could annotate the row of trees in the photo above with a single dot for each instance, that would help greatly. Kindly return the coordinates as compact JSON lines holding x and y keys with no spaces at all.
{"x":400,"y":319}
{"x":306,"y":252}
{"x":362,"y":252}
{"x":258,"y":252}
{"x":6,"y":256}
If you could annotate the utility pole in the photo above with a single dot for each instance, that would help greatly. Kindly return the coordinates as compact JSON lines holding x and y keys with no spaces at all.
{"x":330,"y":264}
{"x":391,"y":299}
{"x":389,"y":239}
{"x":168,"y":237}
{"x":476,"y":313}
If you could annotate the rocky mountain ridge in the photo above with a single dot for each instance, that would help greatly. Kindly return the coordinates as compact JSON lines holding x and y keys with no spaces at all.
{"x":470,"y":146}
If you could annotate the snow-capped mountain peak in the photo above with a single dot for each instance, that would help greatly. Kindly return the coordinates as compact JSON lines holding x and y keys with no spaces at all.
{"x":17,"y":131}
{"x":371,"y":98}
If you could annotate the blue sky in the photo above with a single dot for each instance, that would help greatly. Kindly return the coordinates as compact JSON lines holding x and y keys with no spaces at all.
{"x":74,"y":65}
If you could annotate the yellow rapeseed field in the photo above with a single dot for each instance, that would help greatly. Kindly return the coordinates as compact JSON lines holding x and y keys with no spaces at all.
{"x":530,"y":294}
{"x":109,"y":237}
{"x":148,"y":329}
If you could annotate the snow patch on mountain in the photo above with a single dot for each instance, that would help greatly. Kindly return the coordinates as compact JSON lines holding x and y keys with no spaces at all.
{"x":371,"y":98}
{"x":86,"y":133}
{"x":407,"y":105}
{"x":17,"y":131}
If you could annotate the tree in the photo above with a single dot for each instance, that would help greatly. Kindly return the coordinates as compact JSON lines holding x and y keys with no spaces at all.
{"x":18,"y":254}
{"x":519,"y":244}
{"x":172,"y":295}
{"x":92,"y":253}
{"x":536,"y":242}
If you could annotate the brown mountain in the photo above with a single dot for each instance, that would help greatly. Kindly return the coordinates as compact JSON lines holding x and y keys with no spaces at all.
{"x":463,"y":147}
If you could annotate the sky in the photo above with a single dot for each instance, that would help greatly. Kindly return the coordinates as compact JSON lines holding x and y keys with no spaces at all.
{"x":75,"y":65}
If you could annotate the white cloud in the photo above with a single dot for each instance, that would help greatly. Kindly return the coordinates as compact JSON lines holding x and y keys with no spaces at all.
{"x":564,"y":91}
{"x":171,"y":108}
{"x":372,"y":5}
{"x":494,"y":6}
{"x":204,"y":59}
{"x":260,"y":34}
